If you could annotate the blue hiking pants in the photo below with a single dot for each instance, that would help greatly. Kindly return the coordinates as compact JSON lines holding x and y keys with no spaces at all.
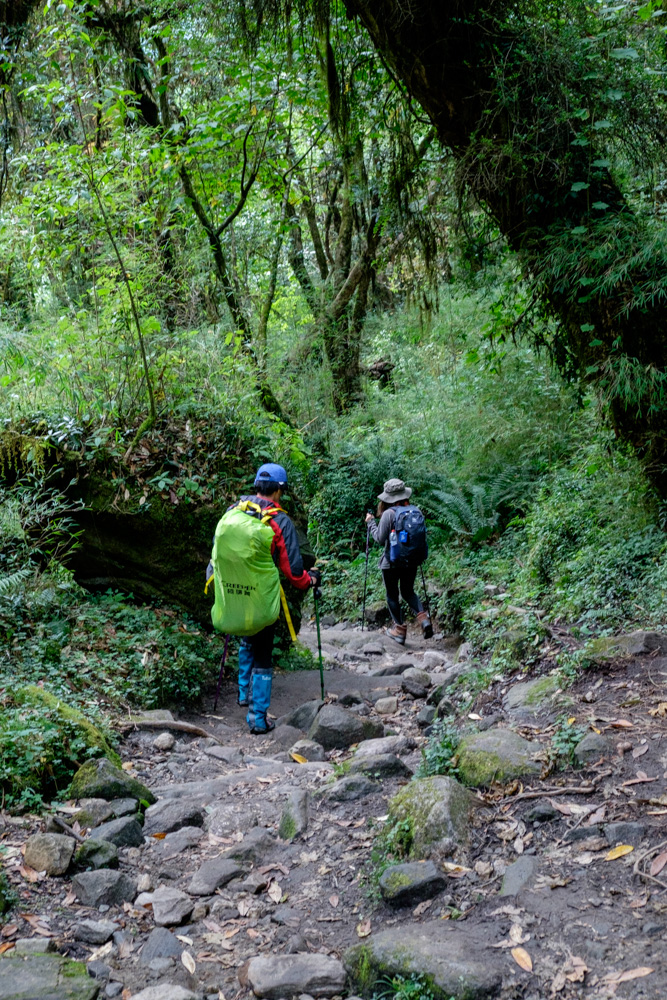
{"x":245,"y":668}
{"x":261,"y":677}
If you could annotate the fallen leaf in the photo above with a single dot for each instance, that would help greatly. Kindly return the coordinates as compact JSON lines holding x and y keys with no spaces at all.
{"x":69,"y":898}
{"x":597,"y":816}
{"x":656,"y":865}
{"x":243,"y":906}
{"x":640,"y":751}
{"x":9,"y":930}
{"x":637,"y":902}
{"x":577,"y":970}
{"x":660,"y":710}
{"x":299,"y":758}
{"x":561,"y":808}
{"x":7,"y":946}
{"x":127,"y":765}
{"x":252,"y":933}
{"x":30,"y":875}
{"x":158,"y":836}
{"x":619,"y":852}
{"x":275,"y":892}
{"x":306,"y":857}
{"x":622,"y":724}
{"x":522,"y":959}
{"x":333,"y":901}
{"x":571,"y":720}
{"x":185,"y":939}
{"x":454,"y":869}
{"x":474,"y":716}
{"x":483,"y":868}
{"x":517,"y":936}
{"x":628,"y":976}
{"x":364,"y":928}
{"x":422,"y":908}
{"x":189,"y":962}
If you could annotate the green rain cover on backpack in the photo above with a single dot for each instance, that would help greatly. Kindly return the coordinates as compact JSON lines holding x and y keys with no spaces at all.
{"x":246,"y":580}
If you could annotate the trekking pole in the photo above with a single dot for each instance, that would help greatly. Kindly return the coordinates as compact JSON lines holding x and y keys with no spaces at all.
{"x":316,"y":596}
{"x":222,"y":670}
{"x":363,"y":606}
{"x":426,"y":601}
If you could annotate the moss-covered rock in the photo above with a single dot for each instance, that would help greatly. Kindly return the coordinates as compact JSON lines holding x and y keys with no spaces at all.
{"x":100,"y":779}
{"x":96,"y":854}
{"x":45,"y":976}
{"x":436,"y":810}
{"x":455,"y":964}
{"x":622,"y":647}
{"x":513,"y":645}
{"x":94,"y":739}
{"x":407,"y":884}
{"x":533,"y":697}
{"x":496,"y":755}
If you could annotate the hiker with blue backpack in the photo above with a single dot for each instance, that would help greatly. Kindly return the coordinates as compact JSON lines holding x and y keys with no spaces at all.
{"x":255,"y":543}
{"x":402,"y":531}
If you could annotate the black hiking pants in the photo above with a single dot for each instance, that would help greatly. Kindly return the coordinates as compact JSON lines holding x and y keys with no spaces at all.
{"x":405,"y":579}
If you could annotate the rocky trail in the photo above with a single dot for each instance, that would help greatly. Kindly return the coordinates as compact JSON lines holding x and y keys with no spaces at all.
{"x":271,"y":866}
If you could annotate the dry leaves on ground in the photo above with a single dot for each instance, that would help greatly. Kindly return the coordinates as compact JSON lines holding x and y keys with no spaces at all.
{"x":522,"y":959}
{"x":364,"y":928}
{"x":619,"y":852}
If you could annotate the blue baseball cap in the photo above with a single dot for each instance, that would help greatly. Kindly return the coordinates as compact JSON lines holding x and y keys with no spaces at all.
{"x":271,"y":473}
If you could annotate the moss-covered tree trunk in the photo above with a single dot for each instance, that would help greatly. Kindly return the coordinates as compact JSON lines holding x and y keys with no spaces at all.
{"x":513,"y":103}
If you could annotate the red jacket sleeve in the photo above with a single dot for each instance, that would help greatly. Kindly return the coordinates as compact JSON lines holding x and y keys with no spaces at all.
{"x":286,"y":553}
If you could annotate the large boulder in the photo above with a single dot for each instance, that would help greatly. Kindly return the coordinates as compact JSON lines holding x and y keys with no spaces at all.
{"x":103,"y":887}
{"x":42,"y":977}
{"x":385,"y":744}
{"x":123,"y":832}
{"x":622,"y":647}
{"x":213,"y":875}
{"x":49,"y":852}
{"x":350,"y":788}
{"x":90,"y":738}
{"x":168,"y":815}
{"x":437,"y":811}
{"x":496,"y":755}
{"x":454,"y":961}
{"x":335,"y":728}
{"x":379,"y":766}
{"x":276,"y":976}
{"x":100,"y":779}
{"x":532,"y":697}
{"x":301,"y":717}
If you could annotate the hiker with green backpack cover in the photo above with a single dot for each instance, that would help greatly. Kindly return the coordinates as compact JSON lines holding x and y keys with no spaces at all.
{"x":402,"y":532}
{"x":255,"y":542}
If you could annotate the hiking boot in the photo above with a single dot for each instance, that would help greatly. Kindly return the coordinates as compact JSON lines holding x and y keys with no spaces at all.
{"x":270,"y":726}
{"x":242,"y":700}
{"x":398,"y":633}
{"x":425,"y":622}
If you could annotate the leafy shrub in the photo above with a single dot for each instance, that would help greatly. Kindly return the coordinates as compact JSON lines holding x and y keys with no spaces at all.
{"x":39,"y":752}
{"x":564,"y":741}
{"x":439,"y":754}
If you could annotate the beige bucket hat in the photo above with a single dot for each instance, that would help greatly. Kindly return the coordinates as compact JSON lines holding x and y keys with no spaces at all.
{"x":395,"y":490}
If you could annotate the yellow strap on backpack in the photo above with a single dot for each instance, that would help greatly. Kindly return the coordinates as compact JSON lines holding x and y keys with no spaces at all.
{"x":288,"y":617}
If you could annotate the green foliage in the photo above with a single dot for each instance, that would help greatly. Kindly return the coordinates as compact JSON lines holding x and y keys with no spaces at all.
{"x":391,"y":844}
{"x":403,"y":988}
{"x":439,"y":753}
{"x":39,"y":752}
{"x":564,"y":741}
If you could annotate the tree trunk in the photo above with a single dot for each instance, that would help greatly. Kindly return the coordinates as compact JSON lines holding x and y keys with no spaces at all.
{"x":540,"y":180}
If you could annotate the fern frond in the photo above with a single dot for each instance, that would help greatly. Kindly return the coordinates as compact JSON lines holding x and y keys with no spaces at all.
{"x":11,"y":584}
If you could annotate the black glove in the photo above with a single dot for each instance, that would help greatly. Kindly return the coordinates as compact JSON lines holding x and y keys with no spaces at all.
{"x":316,"y":580}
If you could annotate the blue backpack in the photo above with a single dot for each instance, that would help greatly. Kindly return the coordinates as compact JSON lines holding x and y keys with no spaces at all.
{"x":407,"y":543}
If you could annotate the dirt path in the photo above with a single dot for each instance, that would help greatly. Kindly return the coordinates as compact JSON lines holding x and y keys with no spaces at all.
{"x":250,"y":855}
